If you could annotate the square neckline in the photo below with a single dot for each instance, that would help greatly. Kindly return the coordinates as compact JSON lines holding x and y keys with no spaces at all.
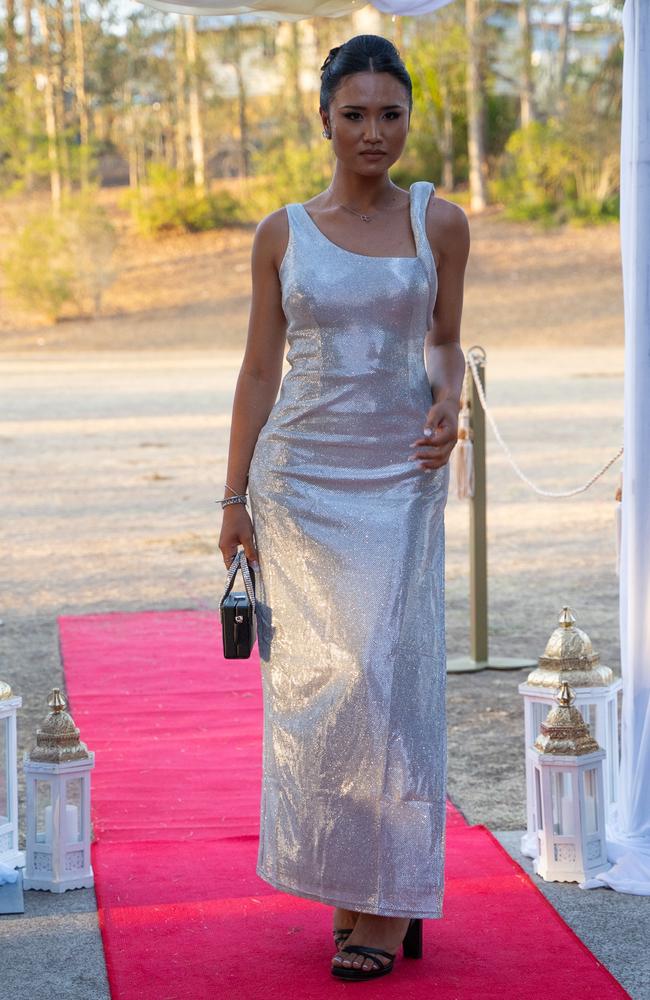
{"x":368,"y":256}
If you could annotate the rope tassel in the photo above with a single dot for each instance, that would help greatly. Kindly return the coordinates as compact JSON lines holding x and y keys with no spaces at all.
{"x":463,"y":457}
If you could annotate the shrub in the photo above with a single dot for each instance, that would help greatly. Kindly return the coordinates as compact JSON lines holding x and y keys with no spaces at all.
{"x":286,"y":173}
{"x":56,"y":259}
{"x":552,"y":173}
{"x":167,"y":203}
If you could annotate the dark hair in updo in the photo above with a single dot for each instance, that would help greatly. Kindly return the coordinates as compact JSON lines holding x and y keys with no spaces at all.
{"x":362,"y":54}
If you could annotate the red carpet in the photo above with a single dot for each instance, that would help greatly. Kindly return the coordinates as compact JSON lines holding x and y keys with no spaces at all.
{"x":177,"y":735}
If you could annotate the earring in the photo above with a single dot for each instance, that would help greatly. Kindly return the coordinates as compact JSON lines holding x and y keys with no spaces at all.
{"x":326,"y":134}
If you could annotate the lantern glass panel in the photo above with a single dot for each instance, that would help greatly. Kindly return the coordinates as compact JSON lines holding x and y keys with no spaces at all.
{"x":73,"y":809}
{"x":562,"y":796}
{"x":591,"y":800}
{"x":540,"y":711}
{"x":4,"y":770}
{"x":43,"y":799}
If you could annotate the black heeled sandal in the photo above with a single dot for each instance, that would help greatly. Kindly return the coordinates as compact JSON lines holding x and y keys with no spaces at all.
{"x":341,"y":935}
{"x":411,"y":948}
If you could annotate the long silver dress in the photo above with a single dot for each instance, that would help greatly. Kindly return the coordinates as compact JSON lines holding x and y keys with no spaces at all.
{"x":350,"y":611}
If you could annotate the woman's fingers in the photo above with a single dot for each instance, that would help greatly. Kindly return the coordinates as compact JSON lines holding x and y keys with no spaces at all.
{"x":441,"y":435}
{"x":433,"y":450}
{"x":434,"y":455}
{"x":229,"y":550}
{"x":236,"y":530}
{"x":251,"y":554}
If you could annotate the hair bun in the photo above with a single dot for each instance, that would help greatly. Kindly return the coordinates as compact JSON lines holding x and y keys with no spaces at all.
{"x":330,"y":56}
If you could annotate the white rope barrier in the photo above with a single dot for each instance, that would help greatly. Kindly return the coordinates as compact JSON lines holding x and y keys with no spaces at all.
{"x":522,"y":475}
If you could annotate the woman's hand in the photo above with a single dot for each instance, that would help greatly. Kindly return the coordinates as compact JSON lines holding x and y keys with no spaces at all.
{"x":433,"y":449}
{"x":236,"y":530}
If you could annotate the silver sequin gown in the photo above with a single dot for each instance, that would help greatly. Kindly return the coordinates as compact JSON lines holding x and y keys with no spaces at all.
{"x":350,"y":613}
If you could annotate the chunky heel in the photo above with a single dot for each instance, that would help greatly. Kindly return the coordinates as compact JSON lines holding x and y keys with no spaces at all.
{"x":412,"y":943}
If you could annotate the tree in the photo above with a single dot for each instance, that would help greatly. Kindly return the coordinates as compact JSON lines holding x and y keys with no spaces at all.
{"x":46,"y":77}
{"x":196,"y":128}
{"x":475,"y":109}
{"x":80,"y":94}
{"x":526,"y":92}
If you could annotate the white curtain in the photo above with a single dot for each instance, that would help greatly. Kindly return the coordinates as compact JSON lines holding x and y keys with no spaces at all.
{"x":628,"y":836}
{"x":293,"y":10}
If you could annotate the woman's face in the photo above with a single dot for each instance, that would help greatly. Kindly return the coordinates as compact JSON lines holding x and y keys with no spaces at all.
{"x":369,"y":121}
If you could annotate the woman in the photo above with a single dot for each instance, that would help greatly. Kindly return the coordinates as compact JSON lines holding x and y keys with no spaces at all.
{"x":365,"y":281}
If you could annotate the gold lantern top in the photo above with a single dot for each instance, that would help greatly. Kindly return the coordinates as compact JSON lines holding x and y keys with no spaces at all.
{"x":569,"y":656}
{"x":564,"y":731}
{"x":5,"y":691}
{"x":57,"y":740}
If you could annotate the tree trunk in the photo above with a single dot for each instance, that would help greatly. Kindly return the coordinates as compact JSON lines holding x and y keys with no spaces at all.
{"x":28,"y":98}
{"x":80,"y":89}
{"x":526,"y":92}
{"x":302,"y":128}
{"x":196,"y":129}
{"x":475,"y":138}
{"x":64,"y":154}
{"x":563,"y":43}
{"x":244,"y":148}
{"x":447,"y":143}
{"x":180,"y":131}
{"x":11,"y":72}
{"x":234,"y":59}
{"x":50,"y":114}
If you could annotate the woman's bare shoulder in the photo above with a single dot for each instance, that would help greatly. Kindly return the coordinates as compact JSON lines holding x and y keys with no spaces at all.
{"x":447,"y":226}
{"x":272,"y":236}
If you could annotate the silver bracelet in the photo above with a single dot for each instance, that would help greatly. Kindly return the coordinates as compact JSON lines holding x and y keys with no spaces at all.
{"x":238,"y":498}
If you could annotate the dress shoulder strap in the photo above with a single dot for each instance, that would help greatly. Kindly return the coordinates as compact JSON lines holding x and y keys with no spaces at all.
{"x":421,"y":193}
{"x":298,"y":222}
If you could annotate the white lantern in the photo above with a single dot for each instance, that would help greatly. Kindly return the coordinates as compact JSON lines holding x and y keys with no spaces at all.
{"x":57,"y":777}
{"x":567,"y":766}
{"x":569,"y":656}
{"x":9,"y":853}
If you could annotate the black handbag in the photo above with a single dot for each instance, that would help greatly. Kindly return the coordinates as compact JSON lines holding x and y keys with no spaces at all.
{"x":238,"y":620}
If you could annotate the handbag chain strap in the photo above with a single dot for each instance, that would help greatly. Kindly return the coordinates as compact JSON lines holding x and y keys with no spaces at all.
{"x":240,"y":562}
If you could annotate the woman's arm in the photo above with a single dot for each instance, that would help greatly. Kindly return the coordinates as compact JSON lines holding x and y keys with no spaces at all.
{"x":259,"y":378}
{"x":444,"y":359}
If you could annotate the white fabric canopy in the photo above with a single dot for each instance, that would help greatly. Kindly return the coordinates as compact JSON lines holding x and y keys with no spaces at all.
{"x":293,"y":10}
{"x":629,"y":831}
{"x":628,"y":836}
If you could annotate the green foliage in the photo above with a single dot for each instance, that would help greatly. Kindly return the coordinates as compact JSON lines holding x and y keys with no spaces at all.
{"x":502,"y":115}
{"x":24,"y":157}
{"x":286,"y":173}
{"x":59,"y":259}
{"x":435,"y":61}
{"x":166,"y":202}
{"x":550,"y":174}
